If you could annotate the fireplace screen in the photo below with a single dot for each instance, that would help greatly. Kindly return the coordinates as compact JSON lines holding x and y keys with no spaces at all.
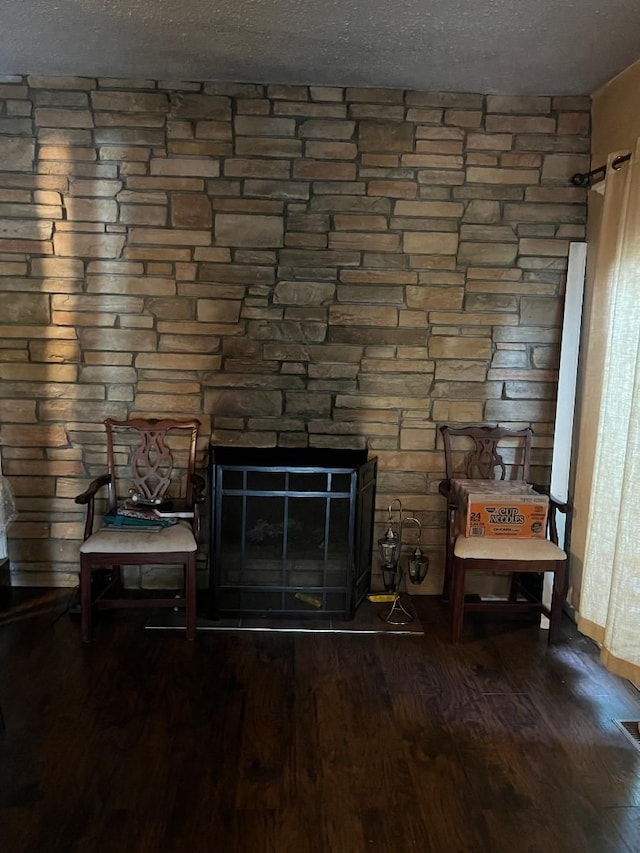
{"x":291,"y":531}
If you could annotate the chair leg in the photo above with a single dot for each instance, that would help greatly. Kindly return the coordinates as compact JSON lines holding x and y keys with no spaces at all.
{"x":190,"y":595}
{"x":448,"y":560}
{"x":513,"y":589}
{"x":557,"y":598}
{"x":85,"y":599}
{"x":457,"y":600}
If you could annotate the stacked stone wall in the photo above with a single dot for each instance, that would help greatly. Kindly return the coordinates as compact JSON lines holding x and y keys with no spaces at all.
{"x":296,"y":266}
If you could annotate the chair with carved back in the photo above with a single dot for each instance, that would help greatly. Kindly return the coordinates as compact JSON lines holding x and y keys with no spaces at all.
{"x":151,"y":461}
{"x":497,"y":453}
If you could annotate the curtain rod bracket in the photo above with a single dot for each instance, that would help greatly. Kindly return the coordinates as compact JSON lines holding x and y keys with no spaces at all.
{"x":583,"y":179}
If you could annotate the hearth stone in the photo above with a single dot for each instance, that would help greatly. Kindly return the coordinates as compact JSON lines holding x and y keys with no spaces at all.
{"x":291,"y":531}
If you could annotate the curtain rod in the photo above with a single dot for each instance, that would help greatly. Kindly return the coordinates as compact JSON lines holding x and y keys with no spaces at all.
{"x":584,"y":179}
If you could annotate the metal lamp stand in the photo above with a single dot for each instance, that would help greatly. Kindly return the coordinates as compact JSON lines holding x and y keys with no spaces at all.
{"x":390,"y":547}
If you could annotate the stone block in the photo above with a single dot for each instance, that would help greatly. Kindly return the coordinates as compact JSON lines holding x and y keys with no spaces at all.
{"x":552,"y":248}
{"x":218,"y":310}
{"x":385,"y":137}
{"x":407,"y":384}
{"x":24,"y":308}
{"x":265,"y":147}
{"x":130,"y":285}
{"x":540,"y":311}
{"x":285,"y":190}
{"x":444,"y":177}
{"x":22,"y":372}
{"x":570,"y":123}
{"x":129,"y":136}
{"x":521,"y":124}
{"x":248,"y":230}
{"x":331,"y":150}
{"x":454,"y":411}
{"x":364,"y":242}
{"x":197,"y":106}
{"x":94,"y":188}
{"x":66,"y":410}
{"x":385,"y":294}
{"x":490,"y":302}
{"x":178,"y":403}
{"x":430,"y":243}
{"x":248,"y":168}
{"x":545,"y":357}
{"x":19,"y":411}
{"x":433,"y":209}
{"x":318,"y":170}
{"x":517,"y":358}
{"x":482,"y":233}
{"x":530,"y":390}
{"x":191,"y":211}
{"x":307,"y":404}
{"x":143,"y":214}
{"x":185,"y":167}
{"x":25,"y":229}
{"x":263,"y":126}
{"x":303,"y":293}
{"x":188,"y":343}
{"x":169,"y":236}
{"x":552,"y":143}
{"x":522,"y":411}
{"x":560,"y":167}
{"x":242,"y":403}
{"x":487,"y":253}
{"x":89,"y":245}
{"x":460,"y":319}
{"x":446,"y":347}
{"x":463,"y":118}
{"x":127,"y":340}
{"x":482,"y":211}
{"x":91,"y":209}
{"x":518,"y":104}
{"x":435,"y":298}
{"x":480,"y":175}
{"x":55,"y":352}
{"x":363,"y":315}
{"x":174,"y":361}
{"x":107,"y":374}
{"x":125,"y":102}
{"x":319,"y":258}
{"x":46,"y":117}
{"x":27,"y":435}
{"x":17,"y":155}
{"x":378,"y":112}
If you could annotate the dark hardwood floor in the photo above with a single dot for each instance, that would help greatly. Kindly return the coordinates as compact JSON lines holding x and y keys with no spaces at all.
{"x":309,"y":743}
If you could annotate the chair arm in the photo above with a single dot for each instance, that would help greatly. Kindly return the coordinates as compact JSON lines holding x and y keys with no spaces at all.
{"x":88,"y":497}
{"x":554,"y":506}
{"x":89,"y":494}
{"x":444,"y":488}
{"x":559,"y":506}
{"x":199,"y":486}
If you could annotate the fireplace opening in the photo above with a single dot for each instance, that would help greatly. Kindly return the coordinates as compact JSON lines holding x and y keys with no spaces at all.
{"x":291,"y":531}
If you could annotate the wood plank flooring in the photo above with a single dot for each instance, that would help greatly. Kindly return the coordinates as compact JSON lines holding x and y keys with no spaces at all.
{"x":309,"y":743}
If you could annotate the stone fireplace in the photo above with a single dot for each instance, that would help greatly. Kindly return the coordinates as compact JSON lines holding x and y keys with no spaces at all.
{"x":291,"y":531}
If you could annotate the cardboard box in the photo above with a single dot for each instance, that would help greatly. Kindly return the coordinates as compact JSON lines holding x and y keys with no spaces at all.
{"x":500,"y":509}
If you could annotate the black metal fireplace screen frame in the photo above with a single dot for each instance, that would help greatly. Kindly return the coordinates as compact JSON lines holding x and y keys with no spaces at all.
{"x":337,"y":582}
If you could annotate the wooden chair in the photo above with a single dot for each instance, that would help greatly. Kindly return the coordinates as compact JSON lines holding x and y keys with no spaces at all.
{"x":141,"y":453}
{"x":482,"y":456}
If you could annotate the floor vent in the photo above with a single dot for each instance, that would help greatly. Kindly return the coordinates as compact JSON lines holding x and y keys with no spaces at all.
{"x":631,"y":728}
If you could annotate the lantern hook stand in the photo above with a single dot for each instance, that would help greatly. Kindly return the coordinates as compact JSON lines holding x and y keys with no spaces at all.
{"x":390,"y":547}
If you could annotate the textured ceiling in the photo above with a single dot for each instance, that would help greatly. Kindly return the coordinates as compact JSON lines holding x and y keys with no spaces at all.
{"x":488,"y":46}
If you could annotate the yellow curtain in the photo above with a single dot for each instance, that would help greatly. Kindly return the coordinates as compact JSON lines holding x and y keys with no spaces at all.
{"x":609,"y":608}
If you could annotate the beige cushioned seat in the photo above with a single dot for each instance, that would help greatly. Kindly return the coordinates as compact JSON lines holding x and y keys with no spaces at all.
{"x":481,"y":548}
{"x":134,"y":540}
